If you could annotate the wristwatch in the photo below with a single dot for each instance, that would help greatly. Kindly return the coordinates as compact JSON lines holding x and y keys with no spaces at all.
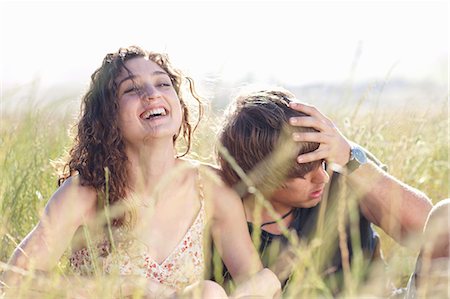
{"x":357,"y":158}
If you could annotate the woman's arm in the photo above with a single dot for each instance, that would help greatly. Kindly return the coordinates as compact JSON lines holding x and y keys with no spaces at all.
{"x":108,"y":286}
{"x":232,"y":239}
{"x":68,"y":208}
{"x":71,"y":206}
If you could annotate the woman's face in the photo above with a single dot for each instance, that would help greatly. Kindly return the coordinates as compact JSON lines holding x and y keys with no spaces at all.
{"x":149,"y":107}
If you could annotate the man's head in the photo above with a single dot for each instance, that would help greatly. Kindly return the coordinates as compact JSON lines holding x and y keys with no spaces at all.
{"x":257,"y":134}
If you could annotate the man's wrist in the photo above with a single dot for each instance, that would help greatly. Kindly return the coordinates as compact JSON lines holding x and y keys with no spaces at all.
{"x":357,"y":158}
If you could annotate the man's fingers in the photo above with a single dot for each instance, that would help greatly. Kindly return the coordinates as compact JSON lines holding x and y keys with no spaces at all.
{"x":302,"y":107}
{"x":310,"y":110}
{"x":312,"y":156}
{"x":308,"y":121}
{"x":310,"y":137}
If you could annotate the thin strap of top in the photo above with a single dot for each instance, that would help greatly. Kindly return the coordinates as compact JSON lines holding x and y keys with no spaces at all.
{"x":200,"y":186}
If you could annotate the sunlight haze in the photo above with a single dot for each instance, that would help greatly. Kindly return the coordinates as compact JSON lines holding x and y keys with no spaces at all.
{"x":289,"y":42}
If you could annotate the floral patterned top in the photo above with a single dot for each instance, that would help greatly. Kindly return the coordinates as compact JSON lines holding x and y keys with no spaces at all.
{"x":184,"y":266}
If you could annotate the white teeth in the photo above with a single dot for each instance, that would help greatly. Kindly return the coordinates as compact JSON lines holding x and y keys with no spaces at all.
{"x":154,"y":112}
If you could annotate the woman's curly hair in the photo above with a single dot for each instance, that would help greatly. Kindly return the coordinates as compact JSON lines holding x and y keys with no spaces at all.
{"x":98,"y":146}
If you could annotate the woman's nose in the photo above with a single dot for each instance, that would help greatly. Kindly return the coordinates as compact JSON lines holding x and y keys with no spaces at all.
{"x":150,"y":92}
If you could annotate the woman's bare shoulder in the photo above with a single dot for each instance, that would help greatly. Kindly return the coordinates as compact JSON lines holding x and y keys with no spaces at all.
{"x":209,"y":173}
{"x":211,"y":176}
{"x":220,"y":194}
{"x":74,"y":200}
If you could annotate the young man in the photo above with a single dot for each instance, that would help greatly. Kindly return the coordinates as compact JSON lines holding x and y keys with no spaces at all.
{"x":263,"y":133}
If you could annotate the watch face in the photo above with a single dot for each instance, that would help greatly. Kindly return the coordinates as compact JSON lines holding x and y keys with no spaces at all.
{"x":359,"y":155}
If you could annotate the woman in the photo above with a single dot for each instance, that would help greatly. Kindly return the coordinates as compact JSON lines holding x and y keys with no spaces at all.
{"x":157,"y":205}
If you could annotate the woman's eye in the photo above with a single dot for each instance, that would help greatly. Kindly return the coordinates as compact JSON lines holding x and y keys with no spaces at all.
{"x":165,"y":84}
{"x":132,"y":89}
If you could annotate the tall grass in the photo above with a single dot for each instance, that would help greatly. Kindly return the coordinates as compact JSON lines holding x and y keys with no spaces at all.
{"x":413,"y":144}
{"x":31,"y":138}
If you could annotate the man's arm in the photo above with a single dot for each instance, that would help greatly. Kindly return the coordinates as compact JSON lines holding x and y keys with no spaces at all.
{"x":394,"y":206}
{"x":387,"y":202}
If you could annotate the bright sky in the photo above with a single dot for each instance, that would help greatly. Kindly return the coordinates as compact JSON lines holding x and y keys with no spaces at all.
{"x":293,"y":42}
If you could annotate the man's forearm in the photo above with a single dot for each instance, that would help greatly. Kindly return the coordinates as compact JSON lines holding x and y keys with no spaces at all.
{"x":397,"y":208}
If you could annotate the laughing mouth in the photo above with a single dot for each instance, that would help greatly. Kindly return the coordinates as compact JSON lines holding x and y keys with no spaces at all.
{"x":149,"y":114}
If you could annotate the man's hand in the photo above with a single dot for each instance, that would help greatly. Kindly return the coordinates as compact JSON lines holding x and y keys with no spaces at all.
{"x":334,"y":147}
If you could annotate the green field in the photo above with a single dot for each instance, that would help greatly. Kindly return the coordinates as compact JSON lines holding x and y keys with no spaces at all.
{"x":412,"y":141}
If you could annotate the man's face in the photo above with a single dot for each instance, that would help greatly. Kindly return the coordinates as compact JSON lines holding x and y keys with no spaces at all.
{"x":302,"y":192}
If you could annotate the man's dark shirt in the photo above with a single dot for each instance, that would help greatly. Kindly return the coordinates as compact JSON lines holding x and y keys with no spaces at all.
{"x":305,"y":224}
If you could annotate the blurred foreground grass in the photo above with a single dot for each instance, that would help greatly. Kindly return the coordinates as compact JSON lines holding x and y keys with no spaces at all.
{"x":413,"y":143}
